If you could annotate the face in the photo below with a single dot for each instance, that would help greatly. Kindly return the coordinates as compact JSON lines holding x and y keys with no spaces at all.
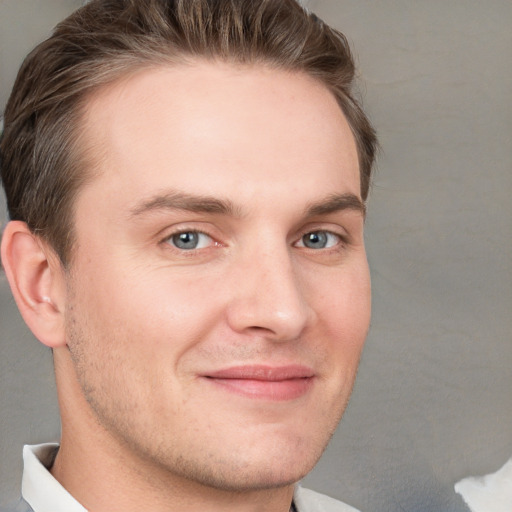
{"x":219,"y":294}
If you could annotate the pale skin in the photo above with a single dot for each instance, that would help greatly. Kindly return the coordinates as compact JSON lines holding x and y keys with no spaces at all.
{"x":207,"y":333}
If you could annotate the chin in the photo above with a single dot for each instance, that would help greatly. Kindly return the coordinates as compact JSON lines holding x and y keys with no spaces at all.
{"x":255,"y":469}
{"x":251,"y":479}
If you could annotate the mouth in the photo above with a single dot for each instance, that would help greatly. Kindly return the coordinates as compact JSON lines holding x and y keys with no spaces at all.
{"x":264,"y":382}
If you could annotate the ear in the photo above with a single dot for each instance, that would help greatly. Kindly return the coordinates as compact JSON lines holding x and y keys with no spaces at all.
{"x":37,"y":281}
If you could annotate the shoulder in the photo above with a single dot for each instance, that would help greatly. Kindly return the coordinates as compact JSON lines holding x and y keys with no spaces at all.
{"x":310,"y":501}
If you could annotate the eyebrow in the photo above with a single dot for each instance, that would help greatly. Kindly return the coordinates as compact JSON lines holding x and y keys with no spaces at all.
{"x":335,"y":203}
{"x":187,"y":202}
{"x":206,"y":204}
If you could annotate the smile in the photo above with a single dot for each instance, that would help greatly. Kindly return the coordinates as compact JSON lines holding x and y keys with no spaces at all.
{"x":264,"y":382}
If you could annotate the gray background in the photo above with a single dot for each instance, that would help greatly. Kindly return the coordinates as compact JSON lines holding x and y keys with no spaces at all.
{"x":433,"y":400}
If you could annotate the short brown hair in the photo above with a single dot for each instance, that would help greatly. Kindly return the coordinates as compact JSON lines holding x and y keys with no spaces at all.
{"x":42,"y":167}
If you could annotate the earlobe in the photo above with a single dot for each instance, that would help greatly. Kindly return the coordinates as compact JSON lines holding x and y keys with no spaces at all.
{"x":36,"y":278}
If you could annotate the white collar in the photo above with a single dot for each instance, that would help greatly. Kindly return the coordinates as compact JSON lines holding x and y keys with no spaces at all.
{"x":39,"y":488}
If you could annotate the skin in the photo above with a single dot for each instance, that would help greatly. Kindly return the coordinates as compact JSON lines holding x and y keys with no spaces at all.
{"x":253,"y":159}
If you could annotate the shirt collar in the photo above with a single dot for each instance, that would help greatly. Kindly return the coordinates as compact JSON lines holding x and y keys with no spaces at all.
{"x":39,"y":488}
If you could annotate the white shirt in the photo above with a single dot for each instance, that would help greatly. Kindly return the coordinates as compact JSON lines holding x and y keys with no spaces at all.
{"x":489,"y":493}
{"x":39,"y":488}
{"x":45,"y":494}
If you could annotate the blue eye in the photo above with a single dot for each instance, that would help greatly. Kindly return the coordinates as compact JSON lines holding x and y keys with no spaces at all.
{"x":319,"y":240}
{"x":190,"y":240}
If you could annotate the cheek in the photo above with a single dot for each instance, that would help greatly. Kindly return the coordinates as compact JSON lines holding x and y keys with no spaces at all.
{"x":146,"y":311}
{"x":348,"y":322}
{"x":345,"y":317}
{"x":346,"y":306}
{"x":131,"y":333}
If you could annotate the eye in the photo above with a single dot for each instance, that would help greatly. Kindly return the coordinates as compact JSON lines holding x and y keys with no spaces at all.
{"x":319,"y":240}
{"x":190,"y":240}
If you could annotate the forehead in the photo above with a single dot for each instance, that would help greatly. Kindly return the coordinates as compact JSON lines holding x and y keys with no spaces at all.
{"x":210,"y":124}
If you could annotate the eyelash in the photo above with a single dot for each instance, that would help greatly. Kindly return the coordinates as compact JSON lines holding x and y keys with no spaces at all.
{"x":328,"y":234}
{"x":342,"y":240}
{"x":168,"y":240}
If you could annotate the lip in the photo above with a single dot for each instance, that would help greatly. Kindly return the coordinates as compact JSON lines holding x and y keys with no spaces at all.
{"x":264,"y":382}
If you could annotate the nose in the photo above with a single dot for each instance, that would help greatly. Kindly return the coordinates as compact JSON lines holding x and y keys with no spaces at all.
{"x":268,"y":298}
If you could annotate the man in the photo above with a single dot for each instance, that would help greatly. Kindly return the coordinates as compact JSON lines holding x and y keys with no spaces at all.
{"x":186,"y":182}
